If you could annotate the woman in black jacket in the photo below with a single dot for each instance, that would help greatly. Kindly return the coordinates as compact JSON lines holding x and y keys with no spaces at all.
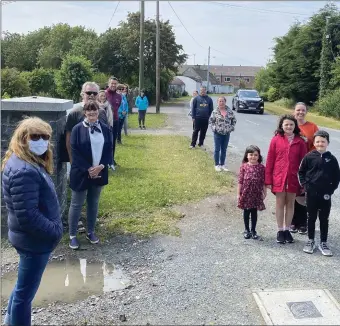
{"x":91,"y":145}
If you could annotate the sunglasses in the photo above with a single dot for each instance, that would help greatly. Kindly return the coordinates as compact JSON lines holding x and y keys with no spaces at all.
{"x":91,"y":93}
{"x":36,"y":137}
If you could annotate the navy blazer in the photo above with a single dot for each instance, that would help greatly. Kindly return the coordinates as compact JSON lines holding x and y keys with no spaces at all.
{"x":82,"y":157}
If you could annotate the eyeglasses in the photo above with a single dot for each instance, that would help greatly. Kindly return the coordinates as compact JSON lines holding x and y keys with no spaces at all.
{"x":36,"y":137}
{"x":91,"y":93}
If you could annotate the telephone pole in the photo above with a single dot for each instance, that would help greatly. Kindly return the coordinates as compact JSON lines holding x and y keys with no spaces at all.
{"x":208,"y":70}
{"x":141,"y":47}
{"x":158,"y":73}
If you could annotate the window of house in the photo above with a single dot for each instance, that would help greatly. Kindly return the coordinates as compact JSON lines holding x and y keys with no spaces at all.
{"x":247,"y":80}
{"x":227,"y":79}
{"x":237,"y":78}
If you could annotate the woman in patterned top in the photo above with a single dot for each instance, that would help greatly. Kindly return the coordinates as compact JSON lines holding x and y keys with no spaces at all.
{"x":222,"y":123}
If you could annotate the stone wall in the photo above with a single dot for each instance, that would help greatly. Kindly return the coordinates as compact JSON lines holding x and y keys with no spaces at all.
{"x":52,"y":111}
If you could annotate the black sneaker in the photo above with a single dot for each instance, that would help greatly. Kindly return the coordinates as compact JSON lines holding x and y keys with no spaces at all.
{"x":288,"y":236}
{"x":280,"y":237}
{"x":247,"y":234}
{"x":302,"y":230}
{"x":144,"y":128}
{"x":140,"y":127}
{"x":254,"y":235}
{"x":293,"y":229}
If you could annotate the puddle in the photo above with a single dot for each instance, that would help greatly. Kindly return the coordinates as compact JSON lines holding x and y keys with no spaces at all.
{"x":71,"y":280}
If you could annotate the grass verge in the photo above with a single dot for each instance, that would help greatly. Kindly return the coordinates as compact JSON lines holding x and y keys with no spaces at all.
{"x":155,"y":173}
{"x":152,"y":120}
{"x":312,"y":116}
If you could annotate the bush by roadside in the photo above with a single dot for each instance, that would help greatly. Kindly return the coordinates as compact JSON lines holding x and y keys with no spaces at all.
{"x":329,"y":105}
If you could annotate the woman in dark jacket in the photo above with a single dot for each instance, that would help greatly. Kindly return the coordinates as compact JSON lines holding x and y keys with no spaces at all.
{"x":34,"y":219}
{"x":91,"y":145}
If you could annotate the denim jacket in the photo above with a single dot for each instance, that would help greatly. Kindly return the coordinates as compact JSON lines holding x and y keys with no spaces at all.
{"x":222,"y":125}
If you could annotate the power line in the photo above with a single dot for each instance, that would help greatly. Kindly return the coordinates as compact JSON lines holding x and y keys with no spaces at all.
{"x":113,"y":15}
{"x":184,"y":26}
{"x":258,"y":9}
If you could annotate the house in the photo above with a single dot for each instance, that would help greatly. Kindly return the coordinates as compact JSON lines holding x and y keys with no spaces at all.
{"x":191,"y":84}
{"x":177,"y":86}
{"x":228,"y":75}
{"x":200,"y":76}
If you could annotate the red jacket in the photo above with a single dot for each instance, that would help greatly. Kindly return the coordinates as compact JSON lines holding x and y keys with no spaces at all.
{"x":282,"y":165}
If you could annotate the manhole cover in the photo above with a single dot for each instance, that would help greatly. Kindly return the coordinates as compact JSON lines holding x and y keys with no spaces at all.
{"x":298,"y":307}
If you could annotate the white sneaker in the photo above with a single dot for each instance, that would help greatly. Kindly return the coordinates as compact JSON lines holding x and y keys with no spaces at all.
{"x":224,"y":168}
{"x":324,"y":249}
{"x":192,"y":147}
{"x":218,"y":168}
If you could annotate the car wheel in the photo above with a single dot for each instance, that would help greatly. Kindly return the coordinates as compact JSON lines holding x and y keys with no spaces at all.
{"x":232,"y":105}
{"x":261,"y":112}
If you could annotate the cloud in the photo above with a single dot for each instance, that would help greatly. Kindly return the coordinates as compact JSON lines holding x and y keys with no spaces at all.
{"x":245,"y":36}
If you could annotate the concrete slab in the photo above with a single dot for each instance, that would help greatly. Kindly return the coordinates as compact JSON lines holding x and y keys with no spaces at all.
{"x":298,"y":307}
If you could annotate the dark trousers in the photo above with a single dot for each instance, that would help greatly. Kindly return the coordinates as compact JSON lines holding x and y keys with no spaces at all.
{"x":114,"y":137}
{"x":221,"y":144}
{"x":141,"y":117}
{"x":120,"y":127}
{"x":30,"y":271}
{"x":201,"y":127}
{"x":300,"y":215}
{"x":318,"y":205}
{"x":250,"y":213}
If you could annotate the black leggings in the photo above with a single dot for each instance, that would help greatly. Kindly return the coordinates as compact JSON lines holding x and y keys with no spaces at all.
{"x":251,"y":212}
{"x":141,"y":117}
{"x":300,"y":215}
{"x":318,"y":205}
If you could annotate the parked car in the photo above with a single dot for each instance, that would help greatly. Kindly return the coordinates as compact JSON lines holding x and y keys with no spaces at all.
{"x":248,"y":100}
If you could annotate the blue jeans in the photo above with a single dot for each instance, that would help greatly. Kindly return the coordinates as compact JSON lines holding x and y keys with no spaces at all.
{"x":221,"y":145}
{"x":30,"y":271}
{"x":77,"y":201}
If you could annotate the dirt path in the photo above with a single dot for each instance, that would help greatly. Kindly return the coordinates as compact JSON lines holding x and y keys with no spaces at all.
{"x":204,"y":277}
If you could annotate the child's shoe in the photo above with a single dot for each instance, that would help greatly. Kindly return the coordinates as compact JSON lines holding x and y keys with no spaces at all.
{"x":254,"y":235}
{"x":302,"y":230}
{"x":309,"y":247}
{"x":293,"y":229}
{"x":74,"y":244}
{"x":280,"y":237}
{"x":247,"y":234}
{"x":324,"y":249}
{"x":288,"y":236}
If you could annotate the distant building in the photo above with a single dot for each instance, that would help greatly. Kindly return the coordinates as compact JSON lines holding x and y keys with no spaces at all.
{"x":191,"y":84}
{"x":223,"y":75}
{"x":177,"y":86}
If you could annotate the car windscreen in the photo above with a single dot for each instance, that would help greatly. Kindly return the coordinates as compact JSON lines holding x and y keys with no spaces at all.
{"x":249,"y":94}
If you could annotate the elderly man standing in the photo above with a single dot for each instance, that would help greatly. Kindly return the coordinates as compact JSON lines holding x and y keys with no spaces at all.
{"x":115,"y":99}
{"x":202,"y":107}
{"x":89,"y":91}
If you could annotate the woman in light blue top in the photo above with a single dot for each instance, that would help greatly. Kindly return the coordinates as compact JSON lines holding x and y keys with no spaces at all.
{"x":142,"y":104}
{"x":122,"y":112}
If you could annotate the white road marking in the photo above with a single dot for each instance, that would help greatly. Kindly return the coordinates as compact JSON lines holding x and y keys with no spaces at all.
{"x":253,"y":122}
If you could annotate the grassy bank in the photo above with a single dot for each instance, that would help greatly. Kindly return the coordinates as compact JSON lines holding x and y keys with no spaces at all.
{"x":312,"y":116}
{"x":155,"y":173}
{"x":152,"y":120}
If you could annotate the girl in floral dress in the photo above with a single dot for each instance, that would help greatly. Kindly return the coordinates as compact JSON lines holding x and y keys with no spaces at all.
{"x":251,"y":189}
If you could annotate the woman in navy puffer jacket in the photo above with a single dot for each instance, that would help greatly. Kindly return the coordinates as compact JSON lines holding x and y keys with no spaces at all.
{"x":34,"y":220}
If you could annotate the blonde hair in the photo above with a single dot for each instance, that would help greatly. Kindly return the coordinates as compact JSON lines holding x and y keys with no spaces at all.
{"x":19,"y":143}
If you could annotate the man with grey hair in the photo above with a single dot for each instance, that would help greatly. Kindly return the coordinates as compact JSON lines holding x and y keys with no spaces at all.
{"x":88,"y":92}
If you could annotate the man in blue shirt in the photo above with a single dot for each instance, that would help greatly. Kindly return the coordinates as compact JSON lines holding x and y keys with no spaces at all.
{"x":202,"y":108}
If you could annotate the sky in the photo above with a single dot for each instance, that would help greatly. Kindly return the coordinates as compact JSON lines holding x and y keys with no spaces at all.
{"x":238,"y":32}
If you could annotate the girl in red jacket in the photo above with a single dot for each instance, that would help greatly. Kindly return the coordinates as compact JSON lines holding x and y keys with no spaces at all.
{"x":286,"y":151}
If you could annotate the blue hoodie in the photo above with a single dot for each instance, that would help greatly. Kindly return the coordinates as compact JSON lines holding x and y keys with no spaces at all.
{"x":124,"y":107}
{"x":142,"y":103}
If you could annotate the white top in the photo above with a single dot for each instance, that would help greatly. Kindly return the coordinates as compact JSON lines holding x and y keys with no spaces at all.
{"x":191,"y":102}
{"x":97,"y":144}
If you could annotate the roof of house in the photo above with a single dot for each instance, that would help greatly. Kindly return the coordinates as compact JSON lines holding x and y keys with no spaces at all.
{"x":201,"y":75}
{"x":247,"y":71}
{"x":177,"y":81}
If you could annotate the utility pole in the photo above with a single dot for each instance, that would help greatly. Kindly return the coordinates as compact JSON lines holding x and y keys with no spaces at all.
{"x":325,"y":61}
{"x":141,"y":47}
{"x":158,"y":72}
{"x":208,"y":69}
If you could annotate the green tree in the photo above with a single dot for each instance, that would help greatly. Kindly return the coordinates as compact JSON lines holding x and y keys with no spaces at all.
{"x":74,"y":72}
{"x":335,"y":80}
{"x":41,"y":81}
{"x":13,"y":84}
{"x":264,"y":79}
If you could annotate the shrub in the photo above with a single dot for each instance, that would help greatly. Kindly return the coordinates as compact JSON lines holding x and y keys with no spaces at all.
{"x":41,"y":81}
{"x":13,"y":84}
{"x":329,"y":105}
{"x":101,"y":79}
{"x":273,"y":94}
{"x":73,"y":73}
{"x":5,"y":96}
{"x":264,"y":95}
{"x":185,"y":93}
{"x":285,"y":102}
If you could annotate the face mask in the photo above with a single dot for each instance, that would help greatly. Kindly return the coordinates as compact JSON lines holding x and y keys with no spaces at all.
{"x":38,"y":147}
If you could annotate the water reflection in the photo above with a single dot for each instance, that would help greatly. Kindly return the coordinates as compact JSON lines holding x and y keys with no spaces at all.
{"x":71,"y":280}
